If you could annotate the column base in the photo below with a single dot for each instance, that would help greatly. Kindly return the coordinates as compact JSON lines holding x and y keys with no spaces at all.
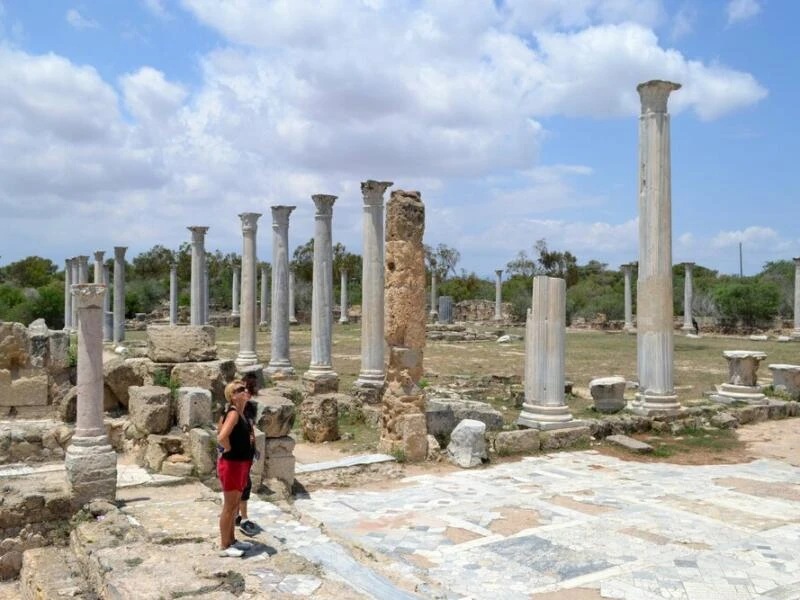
{"x":245,"y":359}
{"x":344,"y":321}
{"x":688,"y":327}
{"x":320,"y":381}
{"x":433,"y":316}
{"x":280,"y":369}
{"x":795,"y":333}
{"x":728,"y":393}
{"x":91,"y":466}
{"x":629,"y":329}
{"x":369,"y":390}
{"x":651,"y":403}
{"x":544,"y":417}
{"x":236,"y":314}
{"x":293,"y":321}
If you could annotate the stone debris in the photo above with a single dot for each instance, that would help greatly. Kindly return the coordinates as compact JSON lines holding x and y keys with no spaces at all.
{"x":467,"y":447}
{"x":630,"y":444}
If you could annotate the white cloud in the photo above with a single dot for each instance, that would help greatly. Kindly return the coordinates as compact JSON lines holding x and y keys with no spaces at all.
{"x":741,"y":10}
{"x":78,"y":21}
{"x":754,"y":235}
{"x":532,"y":15}
{"x":683,"y":21}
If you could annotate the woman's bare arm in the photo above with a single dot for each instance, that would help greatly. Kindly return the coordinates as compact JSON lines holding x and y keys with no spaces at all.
{"x":223,"y":437}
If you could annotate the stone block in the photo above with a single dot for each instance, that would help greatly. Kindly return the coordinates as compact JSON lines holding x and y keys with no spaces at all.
{"x":59,"y":350}
{"x":630,"y":443}
{"x":258,"y":371}
{"x":524,"y":441}
{"x":177,"y":469}
{"x":555,"y":439}
{"x":325,"y":383}
{"x":26,"y":391}
{"x":279,"y":462}
{"x":14,"y":346}
{"x":414,"y":436}
{"x":466,"y":409}
{"x":155,"y":454}
{"x":467,"y":447}
{"x":187,"y":343}
{"x":211,"y":375}
{"x":319,"y":416}
{"x":257,"y":470}
{"x":193,"y":407}
{"x":786,"y":379}
{"x":608,"y":393}
{"x":150,"y":408}
{"x":203,"y":450}
{"x":118,"y":376}
{"x":275,"y":415}
{"x":724,"y":420}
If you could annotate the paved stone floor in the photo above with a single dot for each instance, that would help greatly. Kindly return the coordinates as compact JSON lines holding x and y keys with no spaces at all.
{"x":581,"y":524}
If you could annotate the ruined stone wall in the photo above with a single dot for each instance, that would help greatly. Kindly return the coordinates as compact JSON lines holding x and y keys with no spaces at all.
{"x":481,"y":310}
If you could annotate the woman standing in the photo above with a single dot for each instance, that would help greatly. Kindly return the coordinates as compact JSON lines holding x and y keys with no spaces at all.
{"x":237,"y":442}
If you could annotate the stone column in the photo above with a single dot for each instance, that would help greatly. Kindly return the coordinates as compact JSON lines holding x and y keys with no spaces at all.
{"x":654,"y":289}
{"x":687,"y":298}
{"x":742,"y":384}
{"x":627,"y":271}
{"x":173,"y":294}
{"x":98,"y":267}
{"x":83,"y":269}
{"x":197,"y":315}
{"x":264,"y":322}
{"x":235,"y":287}
{"x":445,"y":309}
{"x":403,"y":424}
{"x":498,"y":296}
{"x":279,"y":364}
{"x":247,"y":320}
{"x":796,"y":330}
{"x":545,"y":331}
{"x":434,"y":314}
{"x":108,"y":316}
{"x":206,"y":305}
{"x":292,"y":314}
{"x":68,"y":294}
{"x":119,"y":293}
{"x":320,"y":377}
{"x":343,"y":319}
{"x":369,"y":384}
{"x":74,"y":279}
{"x":91,"y":463}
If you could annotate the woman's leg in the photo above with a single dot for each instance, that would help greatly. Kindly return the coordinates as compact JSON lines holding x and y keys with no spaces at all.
{"x":230,"y":504}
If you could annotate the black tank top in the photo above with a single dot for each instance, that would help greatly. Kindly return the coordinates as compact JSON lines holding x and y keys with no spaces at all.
{"x":241,"y":448}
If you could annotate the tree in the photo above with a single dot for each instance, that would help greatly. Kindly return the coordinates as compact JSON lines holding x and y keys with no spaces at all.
{"x":33,"y":272}
{"x":747,"y":300}
{"x":557,"y":264}
{"x":153,"y":263}
{"x":521,"y":266}
{"x":442,"y":260}
{"x":303,"y":261}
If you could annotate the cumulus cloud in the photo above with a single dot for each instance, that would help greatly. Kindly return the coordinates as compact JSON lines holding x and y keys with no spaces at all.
{"x":754,"y":235}
{"x":78,"y":21}
{"x":741,"y":10}
{"x":683,"y":21}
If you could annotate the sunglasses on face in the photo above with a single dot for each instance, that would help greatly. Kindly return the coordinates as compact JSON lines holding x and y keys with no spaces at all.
{"x":239,"y":390}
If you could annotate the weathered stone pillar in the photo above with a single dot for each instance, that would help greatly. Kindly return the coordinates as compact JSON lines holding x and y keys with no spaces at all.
{"x":654,"y":287}
{"x":83,"y":269}
{"x":445,"y":309}
{"x":235,"y":286}
{"x":90,"y":462}
{"x":343,"y":319}
{"x":742,"y":384}
{"x":627,"y":270}
{"x":68,"y":294}
{"x":74,"y":279}
{"x":279,"y":364}
{"x":173,"y":294}
{"x":320,"y":377}
{"x":292,"y":314}
{"x":403,"y":425}
{"x":264,"y":320}
{"x":197,"y":315}
{"x":545,"y":331}
{"x":687,"y":298}
{"x":206,"y":295}
{"x":108,"y":316}
{"x":371,"y":378}
{"x":434,"y":314}
{"x":796,"y":330}
{"x":498,"y":296}
{"x":98,"y":267}
{"x":247,"y":320}
{"x":119,"y":293}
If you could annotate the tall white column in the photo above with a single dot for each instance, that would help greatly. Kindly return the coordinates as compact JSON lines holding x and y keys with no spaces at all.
{"x":292,"y":313}
{"x":687,"y":298}
{"x":372,"y":375}
{"x":264,"y":321}
{"x":68,"y":294}
{"x":433,"y":316}
{"x":196,"y":300}
{"x":119,"y":293}
{"x":247,"y":321}
{"x":545,"y":406}
{"x":83,"y":269}
{"x":75,"y":278}
{"x":108,"y":316}
{"x":654,"y":286}
{"x":343,"y":319}
{"x":91,"y":463}
{"x":236,"y":286}
{"x":320,"y":377}
{"x":796,"y":330}
{"x":98,"y":267}
{"x":206,"y":305}
{"x":279,"y":362}
{"x":627,"y":271}
{"x":173,"y":294}
{"x":498,"y":296}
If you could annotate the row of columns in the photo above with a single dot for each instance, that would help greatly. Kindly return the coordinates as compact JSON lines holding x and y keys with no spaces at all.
{"x":76,"y":272}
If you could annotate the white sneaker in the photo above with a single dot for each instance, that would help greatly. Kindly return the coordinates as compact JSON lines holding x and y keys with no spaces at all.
{"x":243,"y":546}
{"x":231,"y":551}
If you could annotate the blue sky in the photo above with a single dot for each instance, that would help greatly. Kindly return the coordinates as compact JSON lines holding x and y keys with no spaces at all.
{"x":122,"y":123}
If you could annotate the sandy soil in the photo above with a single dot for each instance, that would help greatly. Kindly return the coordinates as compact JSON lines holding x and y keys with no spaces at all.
{"x":779,"y":440}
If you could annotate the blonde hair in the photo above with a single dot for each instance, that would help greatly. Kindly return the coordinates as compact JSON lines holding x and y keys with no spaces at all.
{"x":232,"y":386}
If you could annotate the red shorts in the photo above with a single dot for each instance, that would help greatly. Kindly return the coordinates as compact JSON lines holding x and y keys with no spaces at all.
{"x":233,"y":474}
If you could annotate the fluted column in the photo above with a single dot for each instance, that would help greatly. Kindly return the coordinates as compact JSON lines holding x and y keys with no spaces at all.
{"x":119,"y":293}
{"x":545,"y":406}
{"x":320,"y":377}
{"x":627,"y":271}
{"x":264,"y":321}
{"x":687,"y":298}
{"x":196,"y":293}
{"x":280,"y":363}
{"x":247,"y":320}
{"x":173,"y":294}
{"x":235,"y":287}
{"x":108,"y":316}
{"x":654,"y":286}
{"x":83,"y":269}
{"x":206,"y":304}
{"x":498,"y":296}
{"x":68,"y":294}
{"x":343,"y":297}
{"x":372,"y":375}
{"x":91,"y":464}
{"x":74,"y":279}
{"x":292,"y":313}
{"x":796,"y":330}
{"x":433,"y":316}
{"x":98,"y":267}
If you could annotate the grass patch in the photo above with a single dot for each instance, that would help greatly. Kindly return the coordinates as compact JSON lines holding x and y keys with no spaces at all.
{"x":709,"y":441}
